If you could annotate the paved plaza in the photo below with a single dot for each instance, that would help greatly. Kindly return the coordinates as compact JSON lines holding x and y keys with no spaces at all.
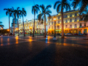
{"x":40,"y":51}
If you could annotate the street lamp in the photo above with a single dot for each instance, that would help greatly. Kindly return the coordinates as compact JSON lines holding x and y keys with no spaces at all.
{"x":54,"y":19}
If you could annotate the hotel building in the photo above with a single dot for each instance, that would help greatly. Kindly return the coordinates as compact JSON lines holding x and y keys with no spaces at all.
{"x":28,"y":25}
{"x":72,"y":23}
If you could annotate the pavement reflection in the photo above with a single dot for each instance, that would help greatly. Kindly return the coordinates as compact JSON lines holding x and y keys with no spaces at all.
{"x":16,"y":39}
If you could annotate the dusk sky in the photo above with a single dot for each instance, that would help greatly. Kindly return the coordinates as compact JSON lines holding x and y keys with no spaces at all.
{"x":27,"y":4}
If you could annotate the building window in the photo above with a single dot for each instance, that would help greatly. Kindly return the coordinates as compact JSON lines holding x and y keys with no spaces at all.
{"x":75,"y":19}
{"x":52,"y":23}
{"x":84,"y":24}
{"x":58,"y":17}
{"x":80,"y":25}
{"x":75,"y":14}
{"x":70,"y":20}
{"x":75,"y":25}
{"x":58,"y":22}
{"x":65,"y":16}
{"x":70,"y":26}
{"x":70,"y":15}
{"x":66,"y":26}
{"x":57,"y":27}
{"x":66,"y":21}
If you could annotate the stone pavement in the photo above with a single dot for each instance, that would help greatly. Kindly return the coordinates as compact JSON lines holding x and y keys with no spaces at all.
{"x":39,"y":51}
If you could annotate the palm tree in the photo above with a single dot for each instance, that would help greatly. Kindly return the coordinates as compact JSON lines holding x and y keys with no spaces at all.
{"x":1,"y":24}
{"x":59,"y":6}
{"x":45,"y":11}
{"x":9,"y":13}
{"x":35,"y":10}
{"x":18,"y":13}
{"x":83,"y":5}
{"x":23,"y":13}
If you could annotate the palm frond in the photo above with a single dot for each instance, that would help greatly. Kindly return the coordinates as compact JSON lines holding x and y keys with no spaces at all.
{"x":49,"y":6}
{"x":58,"y":8}
{"x":56,"y":3}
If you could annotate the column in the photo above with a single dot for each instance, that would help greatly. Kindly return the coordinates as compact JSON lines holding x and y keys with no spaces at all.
{"x":82,"y":31}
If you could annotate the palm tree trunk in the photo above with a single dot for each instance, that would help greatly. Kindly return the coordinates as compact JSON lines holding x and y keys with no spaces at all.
{"x":34,"y":25}
{"x":23,"y":27}
{"x":62,"y":24}
{"x":9,"y":24}
{"x":18,"y":25}
{"x":14,"y":26}
{"x":45,"y":26}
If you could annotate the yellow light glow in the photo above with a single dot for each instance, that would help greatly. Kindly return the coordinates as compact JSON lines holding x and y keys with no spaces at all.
{"x":59,"y":13}
{"x":77,"y":14}
{"x":68,"y":21}
{"x":60,"y":17}
{"x":73,"y":20}
{"x":68,"y":16}
{"x":16,"y":28}
{"x":72,"y":26}
{"x":73,"y":15}
{"x":77,"y":20}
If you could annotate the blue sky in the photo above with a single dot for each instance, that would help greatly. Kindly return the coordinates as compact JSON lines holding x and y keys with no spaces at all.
{"x":27,"y":4}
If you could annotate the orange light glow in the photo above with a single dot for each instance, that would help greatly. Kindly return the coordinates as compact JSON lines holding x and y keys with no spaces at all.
{"x":30,"y":39}
{"x":16,"y":39}
{"x":54,"y":18}
{"x":8,"y":30}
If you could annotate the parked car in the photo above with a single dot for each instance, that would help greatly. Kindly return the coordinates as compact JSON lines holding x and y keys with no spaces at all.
{"x":80,"y":34}
{"x":68,"y":34}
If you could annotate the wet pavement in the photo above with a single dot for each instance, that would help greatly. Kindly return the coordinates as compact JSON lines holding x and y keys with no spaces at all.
{"x":39,"y":51}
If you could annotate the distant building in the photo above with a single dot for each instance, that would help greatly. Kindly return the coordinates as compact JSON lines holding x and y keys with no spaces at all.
{"x":28,"y":25}
{"x":72,"y":23}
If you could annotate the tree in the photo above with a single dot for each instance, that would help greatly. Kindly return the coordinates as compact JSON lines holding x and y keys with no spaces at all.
{"x":23,"y":13}
{"x":60,"y":6}
{"x":1,"y":24}
{"x":35,"y":10}
{"x":18,"y":13}
{"x":45,"y":11}
{"x":84,"y":4}
{"x":9,"y":13}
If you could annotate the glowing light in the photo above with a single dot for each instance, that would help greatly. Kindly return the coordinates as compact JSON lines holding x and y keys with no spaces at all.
{"x":54,"y":18}
{"x":16,"y":39}
{"x":8,"y":30}
{"x":59,"y":13}
{"x":30,"y":39}
{"x":77,"y":20}
{"x":68,"y":21}
{"x":68,"y":16}
{"x":77,"y":14}
{"x":73,"y":15}
{"x":73,"y":20}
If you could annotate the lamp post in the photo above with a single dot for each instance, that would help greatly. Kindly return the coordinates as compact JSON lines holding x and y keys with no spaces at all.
{"x":54,"y":19}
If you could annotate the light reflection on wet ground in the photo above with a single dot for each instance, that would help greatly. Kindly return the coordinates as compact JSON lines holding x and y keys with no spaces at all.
{"x":36,"y":51}
{"x":49,"y":40}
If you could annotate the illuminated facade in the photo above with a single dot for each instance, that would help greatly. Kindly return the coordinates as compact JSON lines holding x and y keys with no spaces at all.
{"x":28,"y":25}
{"x":72,"y":23}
